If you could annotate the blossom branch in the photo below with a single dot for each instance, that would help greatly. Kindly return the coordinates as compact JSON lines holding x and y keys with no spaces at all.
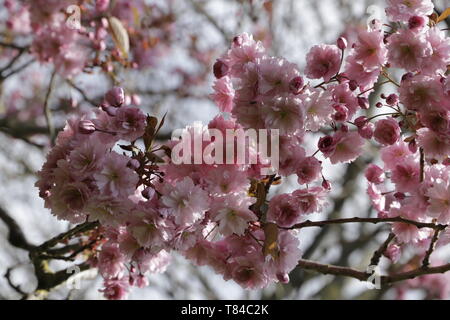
{"x":309,"y":223}
{"x":377,"y":255}
{"x":426,"y":259}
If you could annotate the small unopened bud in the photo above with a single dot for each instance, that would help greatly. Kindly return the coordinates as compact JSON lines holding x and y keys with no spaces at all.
{"x":326,"y":184}
{"x":416,"y":22}
{"x":86,"y":127}
{"x":133,"y":164}
{"x":363,"y":102}
{"x":296,"y":85}
{"x":412,"y":146}
{"x":148,"y":193}
{"x":360,"y":121}
{"x":392,"y":99}
{"x":353,"y":85}
{"x":111,"y":111}
{"x":237,"y":41}
{"x":341,"y":112}
{"x":378,"y":105}
{"x":342,"y":43}
{"x":115,"y":97}
{"x":220,"y":69}
{"x":407,"y":76}
{"x":399,"y":195}
{"x":283,"y":277}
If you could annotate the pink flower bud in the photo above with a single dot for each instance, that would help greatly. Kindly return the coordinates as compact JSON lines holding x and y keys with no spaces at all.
{"x":341,"y":113}
{"x":326,"y":144}
{"x":416,"y":22}
{"x":412,"y":146}
{"x":133,"y":164}
{"x":383,"y":214}
{"x":296,"y":85}
{"x":344,"y":128}
{"x":326,"y":184}
{"x":342,"y":43}
{"x":86,"y":127}
{"x":378,"y":105}
{"x":392,"y":252}
{"x":366,"y":131}
{"x":115,"y":97}
{"x":363,"y":102}
{"x":399,"y":195}
{"x":353,"y":85}
{"x":407,"y":76}
{"x":360,"y":121}
{"x":220,"y":69}
{"x":374,"y":174}
{"x":392,"y":99}
{"x":111,"y":111}
{"x":283,"y":277}
{"x":387,"y":131}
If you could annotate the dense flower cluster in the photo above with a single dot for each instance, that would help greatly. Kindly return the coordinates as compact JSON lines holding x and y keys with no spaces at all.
{"x":74,"y":35}
{"x":217,"y":214}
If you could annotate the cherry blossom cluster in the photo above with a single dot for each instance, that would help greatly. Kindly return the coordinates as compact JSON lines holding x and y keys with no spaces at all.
{"x":78,"y":35}
{"x":222,"y":215}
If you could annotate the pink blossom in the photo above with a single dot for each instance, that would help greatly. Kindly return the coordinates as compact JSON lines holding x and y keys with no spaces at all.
{"x":348,"y":146}
{"x":116,"y":178}
{"x":308,"y":170}
{"x":406,"y":176}
{"x":369,"y":50}
{"x":283,"y":210}
{"x":438,"y":60}
{"x":342,"y":94}
{"x":288,"y":255}
{"x":129,"y":123}
{"x":186,"y":202}
{"x":284,"y":114}
{"x":111,"y":262}
{"x":400,"y":10}
{"x":374,"y":174}
{"x":356,"y":71}
{"x":116,"y":289}
{"x":310,"y":200}
{"x":323,"y":61}
{"x":434,"y":145}
{"x":408,"y":50}
{"x":232,"y":213}
{"x":395,"y":154}
{"x":317,"y":108}
{"x":421,"y":92}
{"x":223,"y":94}
{"x":248,"y":271}
{"x":276,"y":75}
{"x":387,"y":131}
{"x":439,"y":201}
{"x":243,"y":51}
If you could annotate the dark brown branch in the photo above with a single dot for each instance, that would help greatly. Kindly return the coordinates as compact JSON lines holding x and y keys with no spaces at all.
{"x":426,"y":259}
{"x":363,"y":276}
{"x":15,"y":235}
{"x":48,"y":111}
{"x":11,"y":284}
{"x":377,"y":255}
{"x":324,"y":223}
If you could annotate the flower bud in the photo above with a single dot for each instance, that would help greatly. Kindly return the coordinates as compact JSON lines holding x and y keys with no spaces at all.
{"x":374,"y":174}
{"x":353,"y":85}
{"x":342,"y":43}
{"x":133,"y":164}
{"x":326,"y":144}
{"x":399,"y":195}
{"x":326,"y":184}
{"x":363,"y":102}
{"x":86,"y":127}
{"x":341,"y":113}
{"x":111,"y":111}
{"x":296,"y":85}
{"x":115,"y":97}
{"x":392,"y":99}
{"x":366,"y":131}
{"x":412,"y":146}
{"x":416,"y":22}
{"x":220,"y":69}
{"x":360,"y":121}
{"x":387,"y":131}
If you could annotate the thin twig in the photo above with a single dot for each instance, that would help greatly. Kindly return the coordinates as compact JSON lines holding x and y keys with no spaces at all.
{"x":47,"y":110}
{"x":418,"y":224}
{"x":426,"y":259}
{"x":377,"y":255}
